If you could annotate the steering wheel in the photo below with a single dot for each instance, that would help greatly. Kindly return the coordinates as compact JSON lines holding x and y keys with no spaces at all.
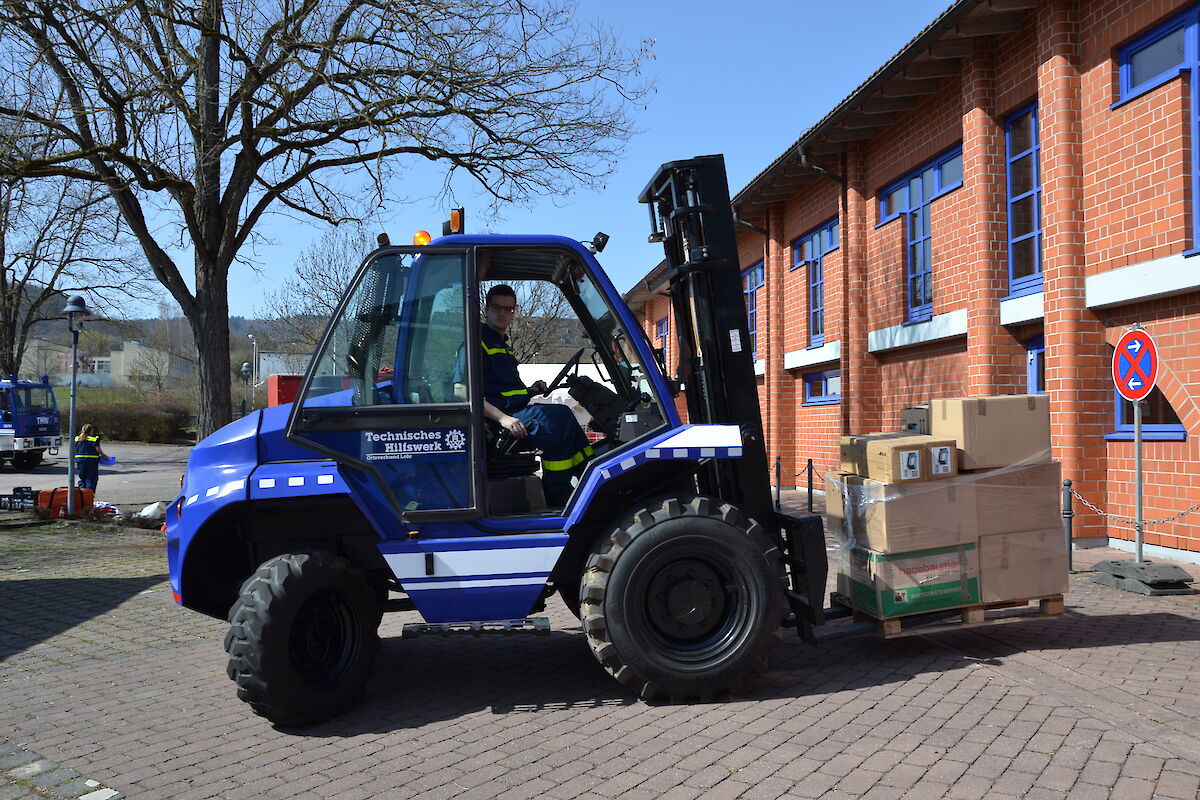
{"x":571,"y":364}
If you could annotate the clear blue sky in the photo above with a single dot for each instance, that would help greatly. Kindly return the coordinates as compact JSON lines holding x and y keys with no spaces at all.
{"x":745,"y":79}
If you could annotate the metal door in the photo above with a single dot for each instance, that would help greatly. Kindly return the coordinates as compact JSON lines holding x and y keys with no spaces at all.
{"x":378,"y":395}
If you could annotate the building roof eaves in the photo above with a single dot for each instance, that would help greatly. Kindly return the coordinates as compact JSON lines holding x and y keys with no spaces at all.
{"x":943,"y":22}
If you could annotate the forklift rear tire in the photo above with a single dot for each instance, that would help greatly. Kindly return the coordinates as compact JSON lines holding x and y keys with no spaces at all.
{"x":302,"y":638}
{"x":684,"y":600}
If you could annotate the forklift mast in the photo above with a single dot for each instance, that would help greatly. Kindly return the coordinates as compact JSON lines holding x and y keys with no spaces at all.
{"x":690,"y":214}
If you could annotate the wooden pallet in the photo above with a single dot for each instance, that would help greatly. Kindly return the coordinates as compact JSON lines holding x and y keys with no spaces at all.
{"x":1049,"y":607}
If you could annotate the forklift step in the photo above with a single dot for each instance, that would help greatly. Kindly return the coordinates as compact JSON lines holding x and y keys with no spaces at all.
{"x":539,"y":626}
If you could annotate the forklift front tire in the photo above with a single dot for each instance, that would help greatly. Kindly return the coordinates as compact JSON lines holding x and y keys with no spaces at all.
{"x":302,"y":637}
{"x":684,"y":600}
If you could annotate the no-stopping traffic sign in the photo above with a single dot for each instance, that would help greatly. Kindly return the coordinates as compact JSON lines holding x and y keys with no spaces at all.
{"x":1135,"y":365}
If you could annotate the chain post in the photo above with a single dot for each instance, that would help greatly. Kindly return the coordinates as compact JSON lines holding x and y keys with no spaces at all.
{"x":778,"y":483}
{"x":1068,"y":514}
{"x":809,"y":468}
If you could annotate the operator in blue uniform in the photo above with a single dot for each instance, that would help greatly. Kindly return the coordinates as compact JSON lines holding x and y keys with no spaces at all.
{"x":551,"y":427}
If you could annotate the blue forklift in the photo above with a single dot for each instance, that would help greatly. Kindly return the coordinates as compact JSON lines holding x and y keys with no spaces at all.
{"x":384,"y":488}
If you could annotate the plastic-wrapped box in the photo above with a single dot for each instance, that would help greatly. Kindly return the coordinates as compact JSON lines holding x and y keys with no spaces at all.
{"x":898,"y":517}
{"x":1022,"y":565}
{"x":1006,"y":521}
{"x":891,"y":518}
{"x":887,"y":585}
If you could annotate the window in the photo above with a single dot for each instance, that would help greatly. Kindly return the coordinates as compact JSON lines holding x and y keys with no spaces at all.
{"x":809,"y":251}
{"x":1160,"y":423}
{"x":1157,"y":58}
{"x":822,"y":388}
{"x":1035,"y":373}
{"x":1023,"y":162}
{"x":913,"y":197}
{"x":752,"y":281}
{"x":662,"y":329}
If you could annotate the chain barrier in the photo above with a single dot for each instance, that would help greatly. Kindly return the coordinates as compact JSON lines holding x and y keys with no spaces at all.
{"x":1129,"y":521}
{"x":808,"y":469}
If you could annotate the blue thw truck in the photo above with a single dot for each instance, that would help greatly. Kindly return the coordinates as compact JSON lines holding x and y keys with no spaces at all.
{"x":382,"y":488}
{"x":29,"y":422}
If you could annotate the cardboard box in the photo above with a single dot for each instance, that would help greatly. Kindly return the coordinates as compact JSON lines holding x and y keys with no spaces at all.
{"x":907,"y":459}
{"x":915,"y":419}
{"x":1020,"y":498}
{"x":1022,"y":565}
{"x":941,"y":455}
{"x":892,"y":518}
{"x":898,"y":460}
{"x":994,"y":431}
{"x":854,"y":450}
{"x":899,"y":584}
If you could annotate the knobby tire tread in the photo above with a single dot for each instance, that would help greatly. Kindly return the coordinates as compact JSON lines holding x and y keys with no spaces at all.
{"x":607,"y":553}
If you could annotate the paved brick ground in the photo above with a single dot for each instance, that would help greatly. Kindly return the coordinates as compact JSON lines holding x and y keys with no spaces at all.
{"x":109,"y":690}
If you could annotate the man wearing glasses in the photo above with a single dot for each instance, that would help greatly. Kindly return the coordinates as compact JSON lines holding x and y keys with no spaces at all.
{"x":552,"y":428}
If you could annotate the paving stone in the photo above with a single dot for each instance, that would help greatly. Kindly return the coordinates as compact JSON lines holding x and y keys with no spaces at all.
{"x":927,"y":717}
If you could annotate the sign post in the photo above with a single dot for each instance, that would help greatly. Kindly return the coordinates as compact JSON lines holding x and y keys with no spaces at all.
{"x":1135,"y":371}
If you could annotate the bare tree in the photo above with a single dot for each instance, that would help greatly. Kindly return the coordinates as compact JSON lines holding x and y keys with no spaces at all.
{"x":220,"y":111}
{"x":300,"y":309}
{"x":57,"y":238}
{"x":547,"y":330}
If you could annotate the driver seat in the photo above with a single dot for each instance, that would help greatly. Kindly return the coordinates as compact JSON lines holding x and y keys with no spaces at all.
{"x":512,"y":486}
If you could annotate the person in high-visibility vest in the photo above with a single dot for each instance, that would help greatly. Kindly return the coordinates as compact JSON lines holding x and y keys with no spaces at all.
{"x":87,"y":456}
{"x":551,"y":427}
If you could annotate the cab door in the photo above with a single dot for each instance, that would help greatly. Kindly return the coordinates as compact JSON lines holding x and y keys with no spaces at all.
{"x":378,"y":395}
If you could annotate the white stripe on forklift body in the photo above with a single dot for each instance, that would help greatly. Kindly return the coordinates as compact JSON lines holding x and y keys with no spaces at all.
{"x":473,"y":568}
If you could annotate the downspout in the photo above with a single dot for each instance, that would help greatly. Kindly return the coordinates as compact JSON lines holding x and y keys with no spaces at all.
{"x":807,"y":164}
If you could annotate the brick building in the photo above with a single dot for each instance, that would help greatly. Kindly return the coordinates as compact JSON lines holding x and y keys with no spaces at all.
{"x":987,"y":214}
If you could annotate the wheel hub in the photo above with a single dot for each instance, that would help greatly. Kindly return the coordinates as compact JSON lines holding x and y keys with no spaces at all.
{"x":322,"y":645}
{"x":687,"y":600}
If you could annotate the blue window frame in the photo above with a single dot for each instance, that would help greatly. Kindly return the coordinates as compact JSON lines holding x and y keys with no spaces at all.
{"x":752,"y":281}
{"x":1158,"y":57}
{"x":823,"y":388}
{"x":662,"y":329}
{"x":1023,"y":166}
{"x":809,"y":251}
{"x":1035,"y":371}
{"x":912,"y":196}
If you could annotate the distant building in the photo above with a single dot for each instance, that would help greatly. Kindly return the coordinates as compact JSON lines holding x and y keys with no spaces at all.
{"x":133,"y":365}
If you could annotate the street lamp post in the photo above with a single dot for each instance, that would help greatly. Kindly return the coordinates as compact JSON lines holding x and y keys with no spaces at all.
{"x":76,"y":310}
{"x":253,"y":360}
{"x":245,"y":386}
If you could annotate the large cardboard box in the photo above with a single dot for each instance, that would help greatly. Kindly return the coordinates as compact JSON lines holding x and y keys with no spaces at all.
{"x":898,"y":584}
{"x":890,"y":518}
{"x":1026,"y":497}
{"x":1022,"y":565}
{"x":994,"y":431}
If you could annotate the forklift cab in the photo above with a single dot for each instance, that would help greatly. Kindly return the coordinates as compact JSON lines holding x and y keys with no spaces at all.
{"x":380,"y":398}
